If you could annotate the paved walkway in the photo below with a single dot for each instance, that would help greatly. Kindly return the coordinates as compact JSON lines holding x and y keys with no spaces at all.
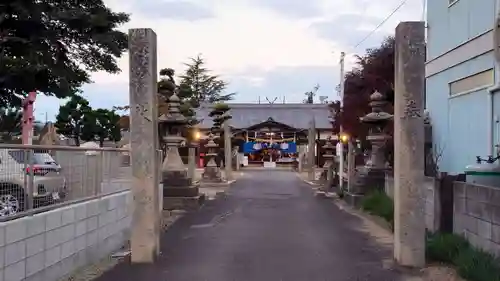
{"x":269,"y":227}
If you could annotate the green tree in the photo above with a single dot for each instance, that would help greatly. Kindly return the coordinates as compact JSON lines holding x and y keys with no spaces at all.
{"x":52,"y":46}
{"x":72,"y":118}
{"x":11,"y":122}
{"x":198,"y":84}
{"x":102,"y":124}
{"x":166,"y":87}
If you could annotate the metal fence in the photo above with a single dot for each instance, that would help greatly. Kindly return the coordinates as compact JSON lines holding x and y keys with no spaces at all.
{"x":34,"y":176}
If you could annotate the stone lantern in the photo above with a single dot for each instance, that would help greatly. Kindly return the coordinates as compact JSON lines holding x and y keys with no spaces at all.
{"x":212,"y":172}
{"x":372,"y":175}
{"x":329,"y":156}
{"x":176,"y":182}
{"x":378,"y":120}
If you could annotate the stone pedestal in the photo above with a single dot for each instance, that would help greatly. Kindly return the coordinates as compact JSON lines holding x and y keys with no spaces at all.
{"x":409,"y":200}
{"x":145,"y":230}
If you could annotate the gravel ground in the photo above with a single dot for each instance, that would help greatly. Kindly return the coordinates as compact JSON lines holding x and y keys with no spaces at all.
{"x":440,"y":273}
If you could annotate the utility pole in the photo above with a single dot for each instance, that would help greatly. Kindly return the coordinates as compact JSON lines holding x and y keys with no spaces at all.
{"x":341,"y":146}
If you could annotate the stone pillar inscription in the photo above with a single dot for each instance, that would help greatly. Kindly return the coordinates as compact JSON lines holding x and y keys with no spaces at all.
{"x":144,"y":145}
{"x":409,"y":218}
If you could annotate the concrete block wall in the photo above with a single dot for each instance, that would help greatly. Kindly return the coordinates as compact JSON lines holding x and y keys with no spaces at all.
{"x":51,"y":245}
{"x":432,"y":201}
{"x":477,"y":215}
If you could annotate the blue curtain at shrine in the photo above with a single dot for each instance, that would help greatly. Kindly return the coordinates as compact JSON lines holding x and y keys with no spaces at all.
{"x":287,"y":147}
{"x":291,"y":147}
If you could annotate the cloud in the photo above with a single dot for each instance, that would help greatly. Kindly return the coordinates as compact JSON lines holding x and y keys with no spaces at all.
{"x":267,"y":48}
{"x":177,"y":10}
{"x":292,"y":8}
{"x":350,"y":29}
{"x":288,"y":82}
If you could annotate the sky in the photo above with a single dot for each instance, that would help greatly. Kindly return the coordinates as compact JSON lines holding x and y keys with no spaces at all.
{"x":262,"y":48}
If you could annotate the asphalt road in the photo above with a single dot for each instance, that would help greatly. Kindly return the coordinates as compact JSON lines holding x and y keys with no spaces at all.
{"x":268,"y":227}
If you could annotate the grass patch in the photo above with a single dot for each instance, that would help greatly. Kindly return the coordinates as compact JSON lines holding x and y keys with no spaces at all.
{"x":471,"y":264}
{"x":379,"y":204}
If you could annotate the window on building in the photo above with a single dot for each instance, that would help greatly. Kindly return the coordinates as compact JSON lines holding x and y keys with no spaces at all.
{"x":474,"y":82}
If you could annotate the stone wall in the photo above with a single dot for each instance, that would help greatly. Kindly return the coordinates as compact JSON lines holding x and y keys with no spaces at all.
{"x":432,"y":201}
{"x":477,"y":215}
{"x":50,"y":245}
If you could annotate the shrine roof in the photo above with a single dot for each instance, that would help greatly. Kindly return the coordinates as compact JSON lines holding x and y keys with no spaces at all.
{"x":296,"y":115}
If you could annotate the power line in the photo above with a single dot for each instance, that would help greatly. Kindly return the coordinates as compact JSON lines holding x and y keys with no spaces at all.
{"x":380,"y":24}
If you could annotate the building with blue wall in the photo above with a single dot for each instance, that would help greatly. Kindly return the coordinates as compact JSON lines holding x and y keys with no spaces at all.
{"x":460,"y":80}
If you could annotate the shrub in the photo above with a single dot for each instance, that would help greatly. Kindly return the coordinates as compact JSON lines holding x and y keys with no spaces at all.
{"x":472,"y":264}
{"x":477,"y":265}
{"x":379,"y":204}
{"x":444,"y":247}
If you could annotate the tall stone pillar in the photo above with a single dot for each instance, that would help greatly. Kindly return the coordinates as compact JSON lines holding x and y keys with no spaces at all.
{"x":228,"y":152}
{"x":311,"y":139}
{"x":409,"y":226}
{"x":238,"y":160}
{"x":301,"y":159}
{"x":191,"y":161}
{"x":351,"y":165}
{"x":144,"y":145}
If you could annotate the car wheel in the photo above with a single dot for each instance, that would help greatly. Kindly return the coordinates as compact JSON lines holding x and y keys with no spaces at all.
{"x":11,"y":199}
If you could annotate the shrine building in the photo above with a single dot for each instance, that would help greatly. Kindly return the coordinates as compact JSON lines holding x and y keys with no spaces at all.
{"x":272,"y":133}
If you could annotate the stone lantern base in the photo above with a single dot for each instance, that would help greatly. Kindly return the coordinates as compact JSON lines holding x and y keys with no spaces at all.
{"x":179,"y":193}
{"x":212,"y":174}
{"x":366,"y":180}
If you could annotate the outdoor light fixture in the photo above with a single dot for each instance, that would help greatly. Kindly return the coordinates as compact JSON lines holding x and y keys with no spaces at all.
{"x":197,"y":135}
{"x":344,"y":138}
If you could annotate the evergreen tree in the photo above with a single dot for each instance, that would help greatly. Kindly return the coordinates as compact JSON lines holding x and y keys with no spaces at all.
{"x":11,"y":122}
{"x":52,"y":46}
{"x":199,"y":85}
{"x":102,"y":124}
{"x":72,"y":118}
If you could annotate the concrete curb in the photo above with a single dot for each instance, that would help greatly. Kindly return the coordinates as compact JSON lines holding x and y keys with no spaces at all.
{"x":326,"y":195}
{"x":380,"y":222}
{"x":313,"y":184}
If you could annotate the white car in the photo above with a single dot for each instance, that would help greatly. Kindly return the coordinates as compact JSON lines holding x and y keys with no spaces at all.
{"x":49,"y":185}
